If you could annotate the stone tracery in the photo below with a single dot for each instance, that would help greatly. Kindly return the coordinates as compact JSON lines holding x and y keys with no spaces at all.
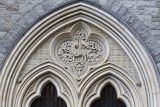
{"x":81,"y":50}
{"x":16,"y":60}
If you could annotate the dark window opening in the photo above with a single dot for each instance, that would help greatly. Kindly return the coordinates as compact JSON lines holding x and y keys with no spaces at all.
{"x":48,"y":98}
{"x":108,"y":98}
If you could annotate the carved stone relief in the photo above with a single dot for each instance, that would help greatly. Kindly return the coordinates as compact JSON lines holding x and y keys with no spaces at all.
{"x":79,"y":46}
{"x":40,"y":82}
{"x":83,"y":48}
{"x":80,"y":50}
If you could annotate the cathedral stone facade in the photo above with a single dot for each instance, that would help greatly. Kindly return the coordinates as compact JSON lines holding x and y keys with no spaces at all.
{"x":80,"y":53}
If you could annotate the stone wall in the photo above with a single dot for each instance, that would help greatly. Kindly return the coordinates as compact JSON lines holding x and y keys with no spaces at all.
{"x":141,"y":16}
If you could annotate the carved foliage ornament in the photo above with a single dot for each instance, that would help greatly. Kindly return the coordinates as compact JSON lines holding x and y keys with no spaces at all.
{"x":79,"y":50}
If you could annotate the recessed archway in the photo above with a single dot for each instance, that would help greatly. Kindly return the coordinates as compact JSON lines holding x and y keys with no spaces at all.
{"x":108,"y":98}
{"x":48,"y":98}
{"x":69,"y":15}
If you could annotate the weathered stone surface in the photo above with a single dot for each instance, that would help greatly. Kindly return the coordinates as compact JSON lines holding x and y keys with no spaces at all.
{"x":12,"y":7}
{"x":106,"y":4}
{"x":157,"y":58}
{"x":116,"y":6}
{"x":5,"y":24}
{"x":23,"y":8}
{"x":40,"y":10}
{"x":16,"y":31}
{"x":127,"y":16}
{"x":140,"y":27}
{"x":122,"y":11}
{"x":142,"y":16}
{"x":33,"y":2}
{"x":132,"y":20}
{"x":155,"y":26}
{"x":11,"y":1}
{"x":158,"y":65}
{"x":26,"y":20}
{"x":2,"y":35}
{"x":48,"y":5}
{"x":2,"y":2}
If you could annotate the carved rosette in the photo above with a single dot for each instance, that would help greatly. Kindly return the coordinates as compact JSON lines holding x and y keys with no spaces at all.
{"x":79,"y":50}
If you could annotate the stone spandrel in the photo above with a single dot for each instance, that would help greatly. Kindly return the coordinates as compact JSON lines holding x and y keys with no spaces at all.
{"x":15,"y":12}
{"x":83,"y":53}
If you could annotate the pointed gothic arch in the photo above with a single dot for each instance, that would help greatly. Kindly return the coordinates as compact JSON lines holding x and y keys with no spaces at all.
{"x":48,"y":98}
{"x":108,"y":98}
{"x":15,"y":82}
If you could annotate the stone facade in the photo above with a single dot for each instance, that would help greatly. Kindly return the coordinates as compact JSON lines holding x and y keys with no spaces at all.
{"x":80,"y":46}
{"x":142,"y":16}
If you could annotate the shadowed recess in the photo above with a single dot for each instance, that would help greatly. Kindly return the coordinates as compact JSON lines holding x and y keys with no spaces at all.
{"x":108,"y":98}
{"x":48,"y":98}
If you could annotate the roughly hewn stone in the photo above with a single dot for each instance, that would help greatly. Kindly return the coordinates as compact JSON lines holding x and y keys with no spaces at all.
{"x":26,"y":21}
{"x":48,"y":5}
{"x":2,"y":35}
{"x":106,"y":4}
{"x":12,"y":7}
{"x":23,"y":8}
{"x":16,"y":31}
{"x":5,"y":25}
{"x":140,"y":27}
{"x":116,"y":6}
{"x":40,"y":10}
{"x":132,"y":20}
{"x":127,"y":16}
{"x":157,"y":58}
{"x":122,"y":11}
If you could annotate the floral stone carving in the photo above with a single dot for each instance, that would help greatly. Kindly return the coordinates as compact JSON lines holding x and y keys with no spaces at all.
{"x":79,"y":50}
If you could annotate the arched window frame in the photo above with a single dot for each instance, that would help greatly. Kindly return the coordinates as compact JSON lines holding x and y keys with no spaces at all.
{"x":104,"y":21}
